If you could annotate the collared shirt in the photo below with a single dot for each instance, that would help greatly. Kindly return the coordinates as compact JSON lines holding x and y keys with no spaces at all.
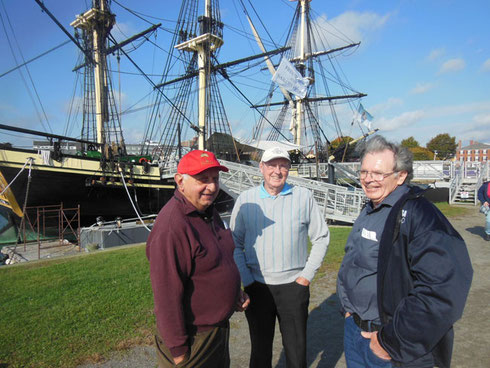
{"x":356,"y":282}
{"x":287,"y":189}
{"x":194,"y":278}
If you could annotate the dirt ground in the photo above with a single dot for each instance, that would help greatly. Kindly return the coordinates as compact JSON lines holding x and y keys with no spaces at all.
{"x":325,"y":325}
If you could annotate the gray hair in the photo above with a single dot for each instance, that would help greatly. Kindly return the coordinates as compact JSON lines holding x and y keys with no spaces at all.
{"x":403,"y":156}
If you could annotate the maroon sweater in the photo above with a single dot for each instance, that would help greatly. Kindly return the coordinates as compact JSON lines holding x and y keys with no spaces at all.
{"x":193,"y":275}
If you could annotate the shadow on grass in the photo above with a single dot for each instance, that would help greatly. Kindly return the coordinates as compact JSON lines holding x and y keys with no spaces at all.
{"x":325,"y":335}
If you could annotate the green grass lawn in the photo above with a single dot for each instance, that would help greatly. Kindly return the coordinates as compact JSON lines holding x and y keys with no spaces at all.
{"x":62,"y":312}
{"x":452,"y":211}
{"x":58,"y":313}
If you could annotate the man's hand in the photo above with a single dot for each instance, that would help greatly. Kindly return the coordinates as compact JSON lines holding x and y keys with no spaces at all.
{"x":375,"y":346}
{"x":486,"y":204}
{"x":242,"y":302}
{"x":179,"y":359}
{"x":302,"y":281}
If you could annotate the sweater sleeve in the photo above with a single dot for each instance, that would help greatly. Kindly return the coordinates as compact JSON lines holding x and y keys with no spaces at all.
{"x":237,"y":226}
{"x":169,"y":254}
{"x":319,"y":235}
{"x":441,"y":272}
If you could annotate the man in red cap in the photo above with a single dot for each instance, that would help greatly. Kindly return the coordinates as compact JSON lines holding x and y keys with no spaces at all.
{"x":195,"y":281}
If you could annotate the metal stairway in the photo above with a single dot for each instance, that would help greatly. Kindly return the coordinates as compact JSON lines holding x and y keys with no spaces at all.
{"x":336,"y":202}
{"x":466,"y":193}
{"x":465,"y":184}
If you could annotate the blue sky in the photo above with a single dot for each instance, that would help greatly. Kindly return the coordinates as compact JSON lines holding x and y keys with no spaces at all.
{"x":424,"y":64}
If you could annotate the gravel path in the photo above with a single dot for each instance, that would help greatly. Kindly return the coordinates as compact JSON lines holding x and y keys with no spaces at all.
{"x":325,"y":325}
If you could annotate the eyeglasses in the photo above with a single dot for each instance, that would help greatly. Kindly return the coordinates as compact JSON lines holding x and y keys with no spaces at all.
{"x":376,"y":176}
{"x":282,"y":167}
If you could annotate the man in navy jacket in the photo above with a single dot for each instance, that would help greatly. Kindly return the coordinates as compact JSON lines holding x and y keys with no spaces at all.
{"x":484,"y":198}
{"x":406,"y":273}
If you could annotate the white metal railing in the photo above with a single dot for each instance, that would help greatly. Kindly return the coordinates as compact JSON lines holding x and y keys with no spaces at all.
{"x":336,"y":202}
{"x":422,"y":170}
{"x":343,"y":203}
{"x":455,"y":184}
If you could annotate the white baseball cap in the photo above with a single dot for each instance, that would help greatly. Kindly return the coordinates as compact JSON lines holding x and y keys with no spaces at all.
{"x":273,"y":153}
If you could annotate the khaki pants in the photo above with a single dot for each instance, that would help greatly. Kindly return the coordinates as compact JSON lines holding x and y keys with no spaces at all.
{"x":209,"y":349}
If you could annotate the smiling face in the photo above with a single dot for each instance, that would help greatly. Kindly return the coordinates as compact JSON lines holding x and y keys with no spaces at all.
{"x":200,"y":189}
{"x":275,"y":173}
{"x":380,"y":163}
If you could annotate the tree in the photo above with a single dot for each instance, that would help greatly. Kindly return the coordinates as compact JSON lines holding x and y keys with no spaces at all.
{"x":444,"y":145}
{"x":421,"y":154}
{"x":338,"y":149}
{"x":410,"y":142}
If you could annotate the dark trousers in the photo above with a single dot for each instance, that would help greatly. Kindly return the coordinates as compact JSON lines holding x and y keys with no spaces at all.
{"x":208,"y":349}
{"x":289,"y":303}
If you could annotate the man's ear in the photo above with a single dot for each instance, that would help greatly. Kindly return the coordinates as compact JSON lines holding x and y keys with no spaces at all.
{"x":179,"y":180}
{"x":402,"y":175}
{"x":261,"y":167}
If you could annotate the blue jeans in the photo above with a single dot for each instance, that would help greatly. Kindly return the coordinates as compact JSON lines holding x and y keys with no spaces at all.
{"x":487,"y":224}
{"x":358,"y":354}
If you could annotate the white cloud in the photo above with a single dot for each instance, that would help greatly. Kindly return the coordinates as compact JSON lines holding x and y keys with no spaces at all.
{"x":406,"y":119}
{"x":436,"y":54}
{"x":486,"y":66}
{"x":350,"y":27}
{"x":422,"y":88}
{"x":465,"y":121}
{"x":483,"y":119}
{"x":477,"y":129}
{"x":384,"y":107}
{"x":454,"y":110}
{"x":452,"y":65}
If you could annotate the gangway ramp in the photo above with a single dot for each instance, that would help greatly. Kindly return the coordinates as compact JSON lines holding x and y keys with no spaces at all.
{"x":336,"y":202}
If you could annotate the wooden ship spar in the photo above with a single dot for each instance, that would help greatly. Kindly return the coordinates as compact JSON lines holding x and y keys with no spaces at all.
{"x":105,"y":181}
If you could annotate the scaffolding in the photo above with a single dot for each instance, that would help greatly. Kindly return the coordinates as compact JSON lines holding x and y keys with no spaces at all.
{"x":47,"y":224}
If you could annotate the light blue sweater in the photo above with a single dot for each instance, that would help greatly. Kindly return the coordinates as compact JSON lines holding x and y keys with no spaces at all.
{"x":271,"y":235}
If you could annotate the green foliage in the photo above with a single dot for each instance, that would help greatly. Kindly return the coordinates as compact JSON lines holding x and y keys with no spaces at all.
{"x":338,"y":149}
{"x":444,"y":144}
{"x":421,"y":154}
{"x":410,"y":142}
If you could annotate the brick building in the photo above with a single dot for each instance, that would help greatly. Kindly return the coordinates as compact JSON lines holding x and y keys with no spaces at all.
{"x":475,"y":151}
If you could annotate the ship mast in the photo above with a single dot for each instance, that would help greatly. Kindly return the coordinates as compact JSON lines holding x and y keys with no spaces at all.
{"x":297,"y":116}
{"x":203,"y":44}
{"x":98,"y":21}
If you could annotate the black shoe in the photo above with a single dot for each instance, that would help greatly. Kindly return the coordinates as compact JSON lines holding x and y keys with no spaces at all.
{"x":487,"y":237}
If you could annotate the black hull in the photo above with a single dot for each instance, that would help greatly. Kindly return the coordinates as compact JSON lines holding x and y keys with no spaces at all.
{"x":109,"y":200}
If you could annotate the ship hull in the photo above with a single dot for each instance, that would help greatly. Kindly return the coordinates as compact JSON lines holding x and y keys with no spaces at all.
{"x":79,"y":181}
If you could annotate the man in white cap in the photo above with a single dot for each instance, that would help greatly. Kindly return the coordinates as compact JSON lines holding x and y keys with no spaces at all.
{"x":271,"y":225}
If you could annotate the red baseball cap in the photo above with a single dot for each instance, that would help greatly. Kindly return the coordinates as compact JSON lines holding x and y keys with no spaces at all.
{"x":197,"y":161}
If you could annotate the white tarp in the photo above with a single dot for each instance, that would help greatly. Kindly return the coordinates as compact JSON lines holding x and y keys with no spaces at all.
{"x":289,"y":78}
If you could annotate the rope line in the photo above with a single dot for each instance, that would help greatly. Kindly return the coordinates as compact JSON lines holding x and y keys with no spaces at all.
{"x":29,"y":159}
{"x":132,"y":203}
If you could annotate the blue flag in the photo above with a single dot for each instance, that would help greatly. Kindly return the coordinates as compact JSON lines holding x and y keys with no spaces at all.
{"x":363,"y":117}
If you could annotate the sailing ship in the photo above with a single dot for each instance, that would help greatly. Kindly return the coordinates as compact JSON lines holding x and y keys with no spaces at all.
{"x":105,"y":180}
